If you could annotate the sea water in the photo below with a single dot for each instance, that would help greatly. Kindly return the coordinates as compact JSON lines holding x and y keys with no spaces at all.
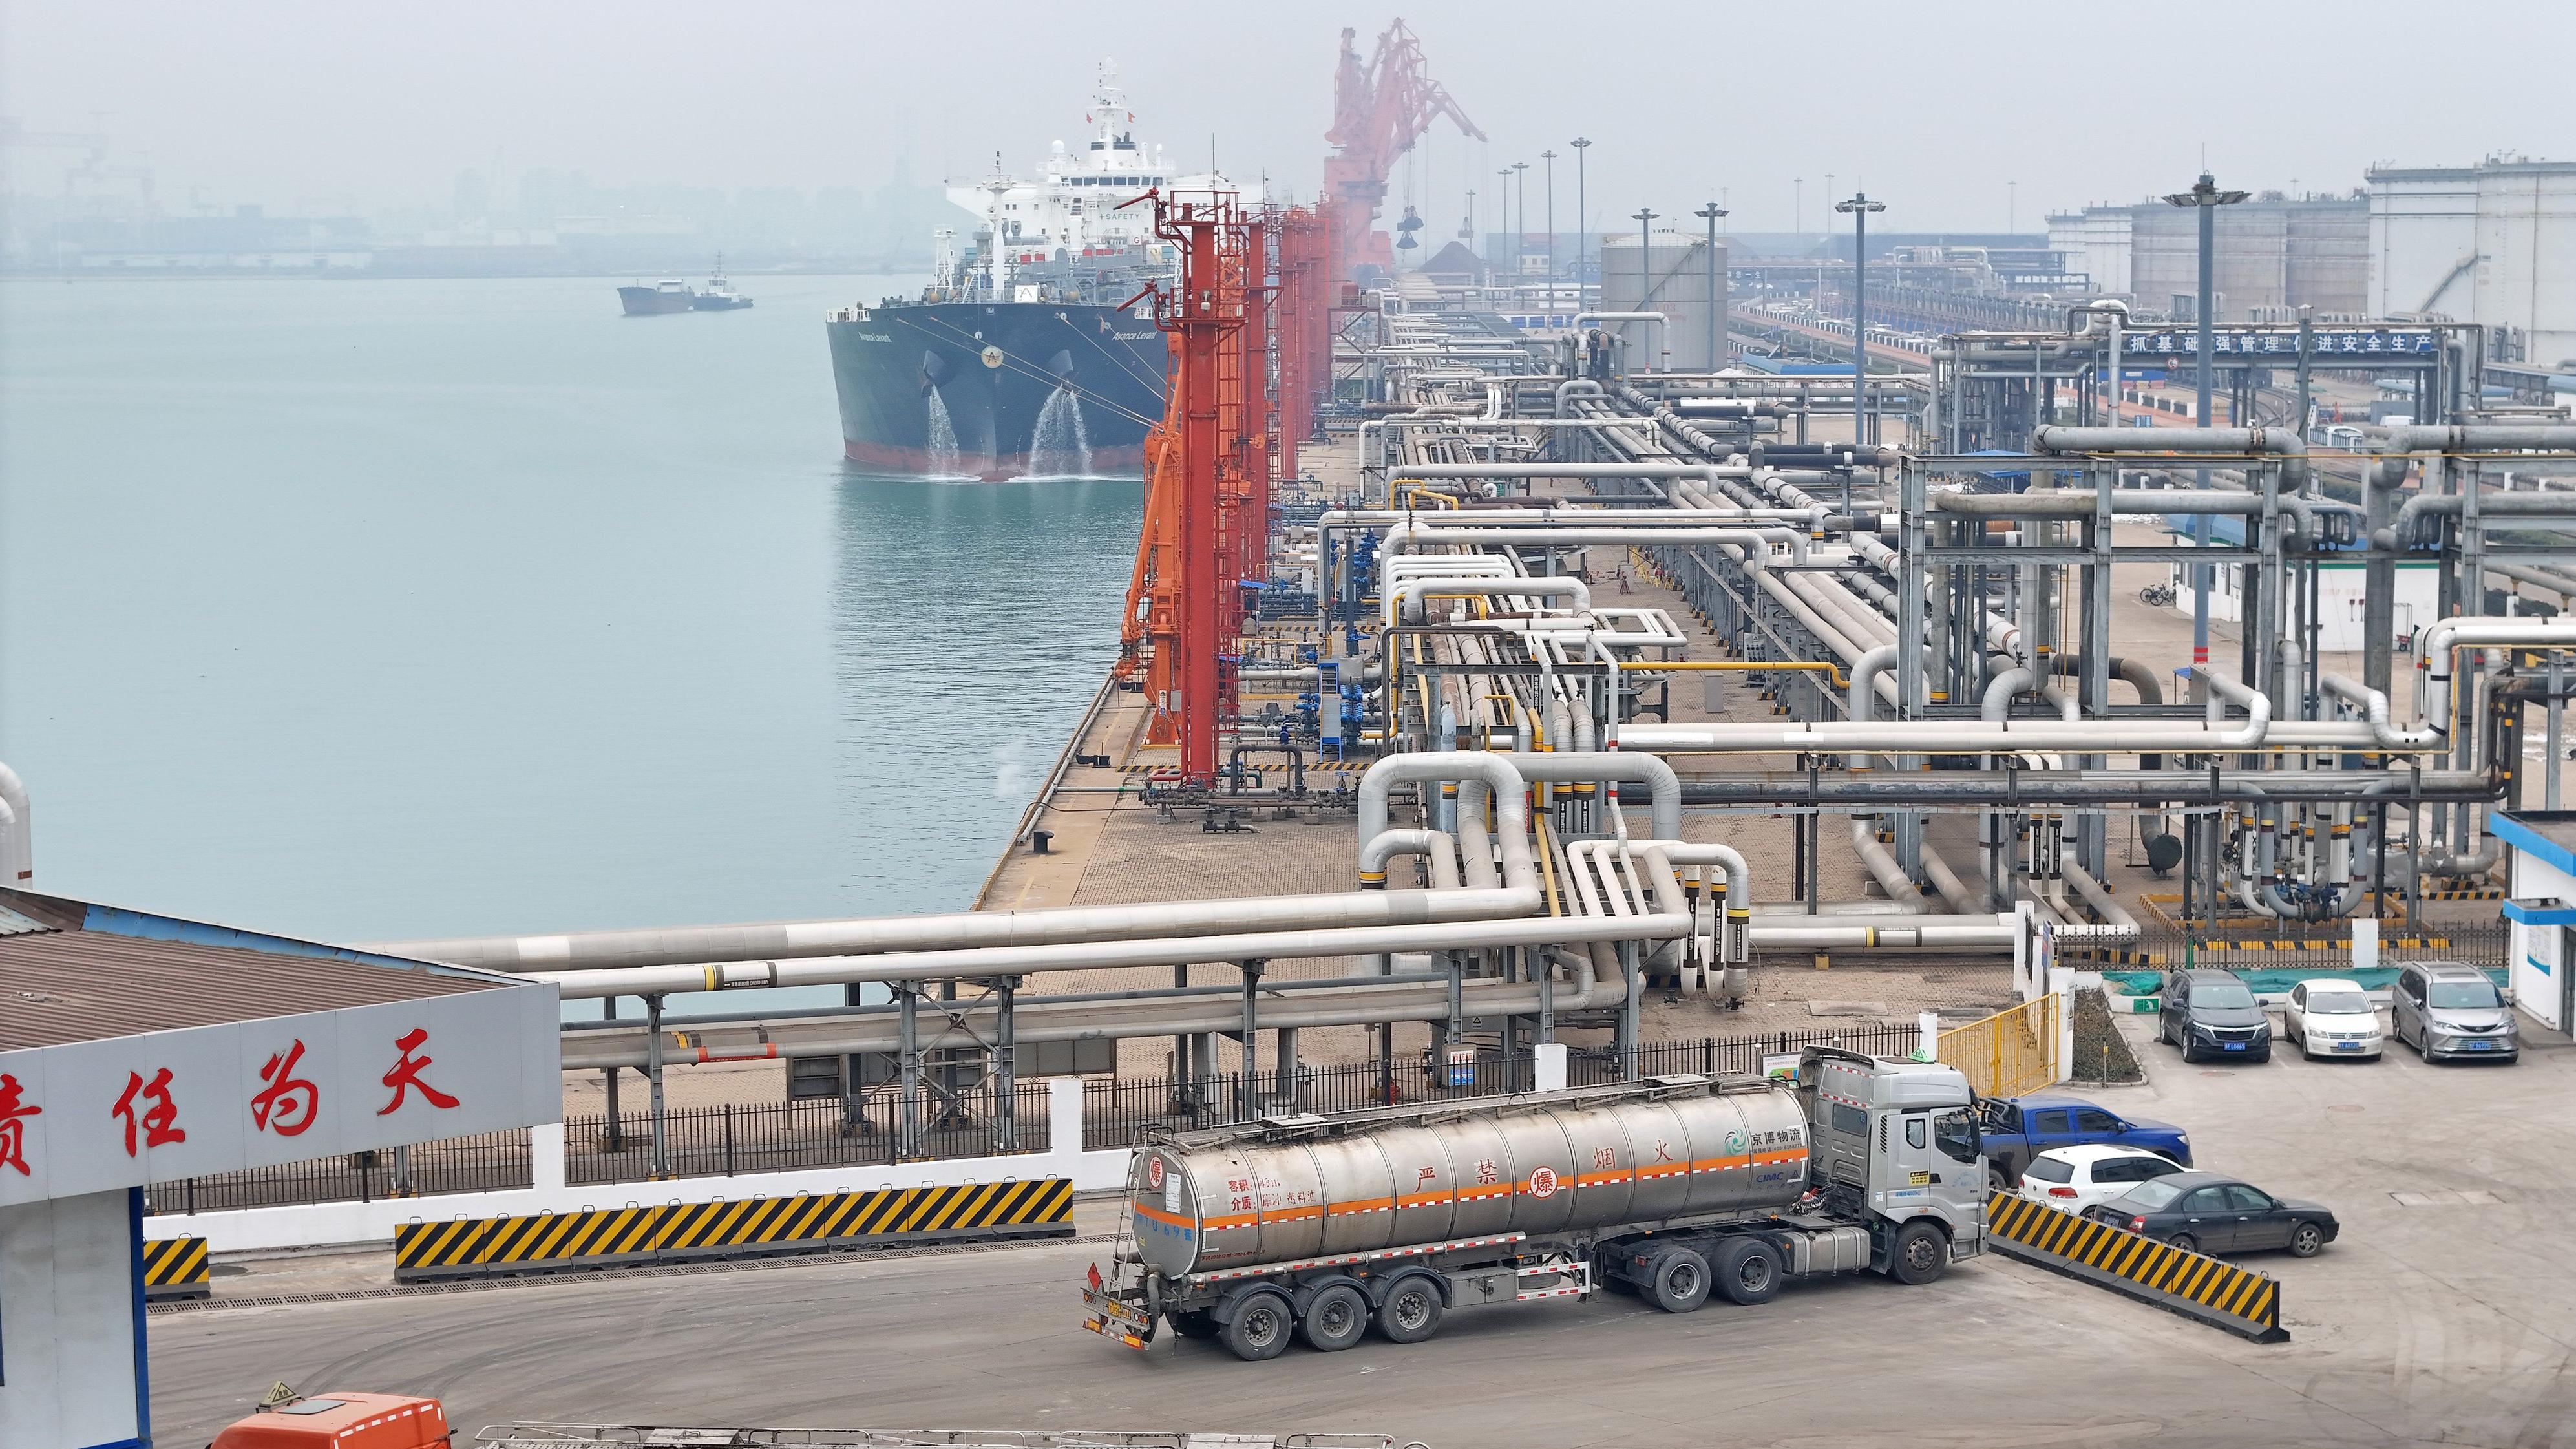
{"x":363,"y":610}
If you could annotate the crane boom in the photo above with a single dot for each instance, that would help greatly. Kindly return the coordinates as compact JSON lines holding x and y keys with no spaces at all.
{"x":1379,"y":110}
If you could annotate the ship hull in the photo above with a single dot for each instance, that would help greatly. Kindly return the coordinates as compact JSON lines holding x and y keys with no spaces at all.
{"x":993,"y":369}
{"x":652,"y":302}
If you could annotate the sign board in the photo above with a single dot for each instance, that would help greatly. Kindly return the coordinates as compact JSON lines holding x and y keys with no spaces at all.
{"x":90,"y":1116}
{"x":1462,"y":1066}
{"x":1780,"y":1066}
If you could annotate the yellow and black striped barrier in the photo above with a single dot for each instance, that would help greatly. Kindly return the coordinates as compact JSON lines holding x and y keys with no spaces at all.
{"x":2192,"y":1284}
{"x":175,"y":1268}
{"x":739,"y":1228}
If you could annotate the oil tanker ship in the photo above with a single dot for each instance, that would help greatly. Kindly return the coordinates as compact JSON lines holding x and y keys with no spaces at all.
{"x":1020,"y":359}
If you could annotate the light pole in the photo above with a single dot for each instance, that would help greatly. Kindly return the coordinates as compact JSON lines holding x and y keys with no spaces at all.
{"x":1860,"y":206}
{"x":2012,"y":206}
{"x":1520,"y":221}
{"x":1645,"y":260}
{"x":2205,"y":195}
{"x":1503,"y":213}
{"x":1549,"y":157}
{"x":1582,"y":242}
{"x":1716,"y":291}
{"x":1797,"y":204}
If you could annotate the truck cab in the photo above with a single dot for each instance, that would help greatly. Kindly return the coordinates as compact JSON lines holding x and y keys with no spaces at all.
{"x":1897,"y":1145}
{"x":288,"y":1420}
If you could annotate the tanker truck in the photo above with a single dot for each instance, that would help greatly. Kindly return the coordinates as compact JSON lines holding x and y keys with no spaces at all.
{"x":1393,"y":1217}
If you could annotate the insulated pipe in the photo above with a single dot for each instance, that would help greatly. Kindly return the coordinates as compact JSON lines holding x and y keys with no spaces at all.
{"x":1413,"y":590}
{"x":1606,"y":766}
{"x":2097,"y":897}
{"x":2396,"y":536}
{"x":1510,"y":801}
{"x":1570,"y":386}
{"x":1883,"y":866}
{"x":2374,"y":708}
{"x":1995,"y":706}
{"x":1434,"y":846}
{"x":1756,"y":542}
{"x":2283,"y":443}
{"x":1369,"y":941}
{"x":1943,"y":737}
{"x":2433,"y":665}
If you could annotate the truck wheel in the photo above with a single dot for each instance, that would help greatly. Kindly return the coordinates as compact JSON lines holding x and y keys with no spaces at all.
{"x":1411,"y":1312}
{"x":1748,"y":1272}
{"x":1335,"y":1319}
{"x":1192,"y":1324}
{"x":1678,"y":1281}
{"x":1259,"y":1327}
{"x":1919,"y":1253}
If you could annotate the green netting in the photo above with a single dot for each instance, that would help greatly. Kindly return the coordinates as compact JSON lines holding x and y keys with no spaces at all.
{"x":2269,"y":981}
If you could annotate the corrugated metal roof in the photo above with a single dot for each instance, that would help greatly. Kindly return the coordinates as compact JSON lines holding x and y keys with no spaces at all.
{"x":13,"y":924}
{"x":59,"y":986}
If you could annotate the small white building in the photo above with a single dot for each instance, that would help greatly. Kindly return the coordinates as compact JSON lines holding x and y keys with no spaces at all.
{"x":2339,"y":589}
{"x":2542,"y":911}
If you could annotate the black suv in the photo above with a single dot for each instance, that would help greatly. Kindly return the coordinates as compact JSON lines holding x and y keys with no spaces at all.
{"x":2212,"y":1014}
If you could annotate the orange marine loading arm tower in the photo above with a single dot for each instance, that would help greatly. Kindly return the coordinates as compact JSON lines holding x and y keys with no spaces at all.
{"x":1379,"y":110}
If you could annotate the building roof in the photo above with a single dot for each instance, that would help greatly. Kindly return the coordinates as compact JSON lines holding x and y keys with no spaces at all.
{"x":2549,"y":835}
{"x":73,"y":971}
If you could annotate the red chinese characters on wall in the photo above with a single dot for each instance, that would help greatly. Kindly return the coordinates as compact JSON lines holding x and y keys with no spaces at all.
{"x":288,"y":1104}
{"x":14,"y":1110}
{"x":406,"y":1074}
{"x":158,"y":1122}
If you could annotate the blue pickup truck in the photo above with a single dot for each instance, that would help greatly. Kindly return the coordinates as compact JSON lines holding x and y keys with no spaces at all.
{"x":2016,"y":1129}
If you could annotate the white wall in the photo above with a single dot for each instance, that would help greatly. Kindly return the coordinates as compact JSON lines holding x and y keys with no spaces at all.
{"x":67,"y":1323}
{"x":2339,"y":601}
{"x":2536,"y":991}
{"x":2517,"y":219}
{"x":325,"y":1224}
{"x":2423,"y":224}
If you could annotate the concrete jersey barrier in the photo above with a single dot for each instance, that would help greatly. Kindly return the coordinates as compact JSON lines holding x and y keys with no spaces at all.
{"x":2194,"y":1285}
{"x":749,"y":1227}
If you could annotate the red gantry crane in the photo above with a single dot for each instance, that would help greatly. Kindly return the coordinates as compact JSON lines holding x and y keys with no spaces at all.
{"x":1379,"y":110}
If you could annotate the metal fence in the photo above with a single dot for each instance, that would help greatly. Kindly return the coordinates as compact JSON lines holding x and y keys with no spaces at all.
{"x":490,"y":1162}
{"x":2008,"y":1053}
{"x":1113,"y":1112}
{"x":719,"y":1141}
{"x":2324,"y":946}
{"x":735,"y":1138}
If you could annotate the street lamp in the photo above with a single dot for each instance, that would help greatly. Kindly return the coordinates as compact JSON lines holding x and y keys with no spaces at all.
{"x":1503,"y":213}
{"x":1716,"y":292}
{"x":1860,"y":206}
{"x":1550,"y":158}
{"x":1582,"y":242}
{"x":1520,"y":222}
{"x":2206,"y":196}
{"x":1645,"y":260}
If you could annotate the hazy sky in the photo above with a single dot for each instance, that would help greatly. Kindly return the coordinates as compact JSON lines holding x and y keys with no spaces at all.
{"x":1935,"y":108}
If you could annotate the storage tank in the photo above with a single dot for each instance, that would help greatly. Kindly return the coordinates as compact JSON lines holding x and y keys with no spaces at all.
{"x":1677,"y":284}
{"x":1313,"y":1187}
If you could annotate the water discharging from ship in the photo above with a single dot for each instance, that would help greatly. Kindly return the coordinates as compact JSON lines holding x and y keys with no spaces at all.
{"x":943,"y":437}
{"x":1061,"y":447}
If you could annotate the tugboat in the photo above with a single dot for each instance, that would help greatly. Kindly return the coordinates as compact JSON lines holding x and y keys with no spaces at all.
{"x":718,"y":294}
{"x":662,"y":298}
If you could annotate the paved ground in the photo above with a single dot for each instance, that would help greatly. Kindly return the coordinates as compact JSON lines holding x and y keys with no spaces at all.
{"x":2441,"y":1323}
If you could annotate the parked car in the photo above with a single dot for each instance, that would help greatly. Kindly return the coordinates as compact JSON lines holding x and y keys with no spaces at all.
{"x":2449,"y":1011}
{"x":2202,"y":1212}
{"x":2333,"y":1017}
{"x":2017,"y":1129}
{"x":2071,"y":1179}
{"x":2211,"y":1013}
